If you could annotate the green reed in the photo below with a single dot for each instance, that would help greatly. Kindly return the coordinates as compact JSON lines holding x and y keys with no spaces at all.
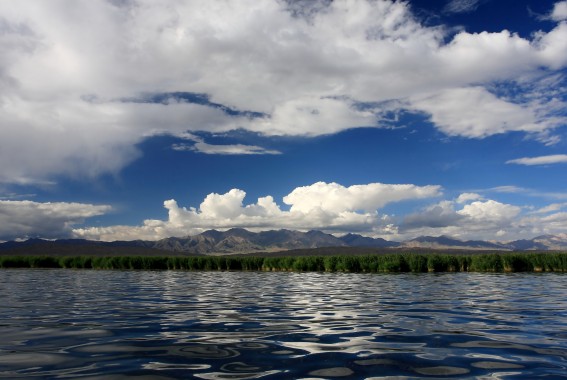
{"x":398,"y":262}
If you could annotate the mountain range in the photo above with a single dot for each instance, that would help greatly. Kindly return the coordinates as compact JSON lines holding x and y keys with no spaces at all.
{"x":241,"y":241}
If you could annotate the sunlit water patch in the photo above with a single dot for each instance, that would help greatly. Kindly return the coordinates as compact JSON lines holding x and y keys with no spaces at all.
{"x":248,"y":325}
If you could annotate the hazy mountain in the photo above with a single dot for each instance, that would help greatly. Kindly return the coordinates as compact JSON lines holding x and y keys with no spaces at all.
{"x":445,"y":242}
{"x":236,"y":240}
{"x":240,"y":241}
{"x":354,"y":240}
{"x":543,"y":242}
{"x":524,"y":245}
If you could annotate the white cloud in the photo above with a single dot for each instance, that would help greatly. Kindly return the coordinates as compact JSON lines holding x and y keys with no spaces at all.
{"x":476,"y":113}
{"x":333,"y":197}
{"x":551,"y":47}
{"x":490,"y":211}
{"x":467,"y":197}
{"x":45,"y":138}
{"x":312,"y":117}
{"x":217,"y":206}
{"x":559,"y":12}
{"x":541,"y":160}
{"x":21,"y":219}
{"x":66,"y":66}
{"x":326,"y":206}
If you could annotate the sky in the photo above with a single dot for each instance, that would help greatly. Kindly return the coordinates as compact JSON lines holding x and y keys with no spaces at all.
{"x":142,"y":119}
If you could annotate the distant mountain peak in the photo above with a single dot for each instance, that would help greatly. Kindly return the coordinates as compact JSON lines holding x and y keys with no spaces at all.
{"x":355,"y":240}
{"x":447,"y":242}
{"x":240,"y":240}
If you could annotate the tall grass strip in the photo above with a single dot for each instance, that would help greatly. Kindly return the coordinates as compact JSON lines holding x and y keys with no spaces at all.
{"x":417,"y":263}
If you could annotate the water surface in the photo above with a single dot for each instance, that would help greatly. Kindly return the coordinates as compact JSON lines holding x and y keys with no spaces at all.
{"x":245,"y":325}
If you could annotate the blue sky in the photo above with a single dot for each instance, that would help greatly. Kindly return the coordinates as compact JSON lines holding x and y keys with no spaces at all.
{"x":135,"y":119}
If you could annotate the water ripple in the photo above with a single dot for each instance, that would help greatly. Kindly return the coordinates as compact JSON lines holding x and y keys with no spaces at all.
{"x":248,"y":325}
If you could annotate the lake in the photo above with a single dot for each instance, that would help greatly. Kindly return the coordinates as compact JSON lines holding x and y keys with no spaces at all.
{"x":95,"y":324}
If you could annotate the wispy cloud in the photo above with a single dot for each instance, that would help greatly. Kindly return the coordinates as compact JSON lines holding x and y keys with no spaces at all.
{"x":27,"y":181}
{"x":510,"y":189}
{"x":541,"y":160}
{"x":235,"y":149}
{"x":200,"y":146}
{"x":554,"y":207}
{"x":461,"y":6}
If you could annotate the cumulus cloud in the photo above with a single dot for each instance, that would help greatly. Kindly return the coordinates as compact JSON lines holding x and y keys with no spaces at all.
{"x":325,"y":206}
{"x":541,"y":160}
{"x":330,"y":207}
{"x":333,"y":197}
{"x":66,"y":77}
{"x":27,"y":219}
{"x":490,"y":211}
{"x":482,"y":219}
{"x":444,"y":214}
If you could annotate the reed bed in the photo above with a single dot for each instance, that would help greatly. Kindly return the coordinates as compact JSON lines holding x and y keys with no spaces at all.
{"x":395,"y":263}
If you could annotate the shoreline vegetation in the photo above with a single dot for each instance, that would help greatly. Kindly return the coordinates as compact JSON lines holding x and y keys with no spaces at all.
{"x":385,"y":263}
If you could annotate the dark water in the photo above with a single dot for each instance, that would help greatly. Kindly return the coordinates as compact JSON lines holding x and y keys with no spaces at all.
{"x":245,"y":325}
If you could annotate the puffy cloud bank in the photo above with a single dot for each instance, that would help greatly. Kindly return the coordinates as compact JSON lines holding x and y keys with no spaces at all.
{"x":337,"y":209}
{"x":328,"y":207}
{"x":72,"y":75}
{"x":324,"y":206}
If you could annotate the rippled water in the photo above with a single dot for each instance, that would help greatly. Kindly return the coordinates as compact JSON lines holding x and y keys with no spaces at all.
{"x":244,"y":325}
